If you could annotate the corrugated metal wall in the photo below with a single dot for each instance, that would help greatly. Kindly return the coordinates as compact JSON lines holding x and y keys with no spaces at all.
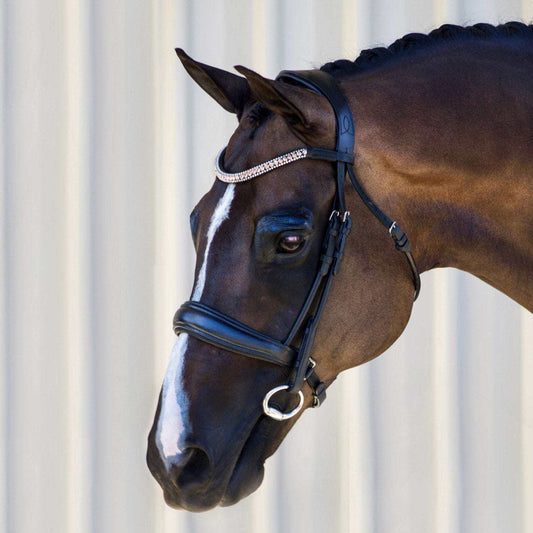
{"x":103,"y":145}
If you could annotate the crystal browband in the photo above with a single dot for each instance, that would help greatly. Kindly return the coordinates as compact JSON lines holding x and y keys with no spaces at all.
{"x":263,"y":168}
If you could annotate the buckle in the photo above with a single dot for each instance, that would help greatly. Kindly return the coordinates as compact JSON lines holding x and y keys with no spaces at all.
{"x":399,"y":237}
{"x":319,"y":395}
{"x":310,"y":368}
{"x":316,"y":401}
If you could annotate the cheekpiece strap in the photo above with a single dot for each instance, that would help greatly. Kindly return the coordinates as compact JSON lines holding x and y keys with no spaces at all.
{"x":324,"y":84}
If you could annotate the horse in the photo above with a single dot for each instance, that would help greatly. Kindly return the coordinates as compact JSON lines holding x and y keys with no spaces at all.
{"x":428,"y":141}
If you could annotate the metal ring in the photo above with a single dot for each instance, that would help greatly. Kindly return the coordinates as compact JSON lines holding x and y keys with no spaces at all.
{"x":273,"y":412}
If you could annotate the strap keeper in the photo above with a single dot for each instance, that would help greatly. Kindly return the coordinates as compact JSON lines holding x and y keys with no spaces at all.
{"x":400,"y":238}
{"x":341,"y":242}
{"x":325,"y":264}
{"x":319,"y":395}
{"x":301,"y":370}
{"x":310,"y":368}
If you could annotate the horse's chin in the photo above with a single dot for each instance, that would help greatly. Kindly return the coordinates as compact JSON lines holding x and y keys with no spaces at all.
{"x":241,"y":484}
{"x":249,"y":469}
{"x":244,"y":480}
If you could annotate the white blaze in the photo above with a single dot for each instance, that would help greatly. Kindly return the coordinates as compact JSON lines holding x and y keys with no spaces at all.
{"x":173,"y":418}
{"x":174,"y":403}
{"x":221,"y":213}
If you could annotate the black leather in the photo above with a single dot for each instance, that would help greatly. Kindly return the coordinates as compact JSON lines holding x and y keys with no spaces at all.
{"x":398,"y":236}
{"x":322,"y":83}
{"x":222,"y":331}
{"x":329,"y":155}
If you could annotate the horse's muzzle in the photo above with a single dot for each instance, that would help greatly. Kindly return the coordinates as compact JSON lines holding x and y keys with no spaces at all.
{"x":186,"y":478}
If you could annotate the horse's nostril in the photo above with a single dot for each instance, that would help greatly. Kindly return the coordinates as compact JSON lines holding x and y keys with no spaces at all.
{"x":194,"y":469}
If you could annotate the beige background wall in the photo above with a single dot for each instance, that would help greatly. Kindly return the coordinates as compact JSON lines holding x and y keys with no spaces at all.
{"x":102,"y":156}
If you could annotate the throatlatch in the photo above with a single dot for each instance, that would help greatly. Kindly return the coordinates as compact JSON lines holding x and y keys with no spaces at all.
{"x":222,"y":331}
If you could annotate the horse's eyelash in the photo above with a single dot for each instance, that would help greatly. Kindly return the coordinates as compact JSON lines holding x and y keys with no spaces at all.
{"x":258,"y":114}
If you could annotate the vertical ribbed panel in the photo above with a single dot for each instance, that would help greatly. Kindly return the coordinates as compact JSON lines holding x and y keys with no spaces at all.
{"x":4,"y":393}
{"x":526,"y":419}
{"x":77,"y":236}
{"x":105,"y":147}
{"x":34,"y":173}
{"x":172,"y":264}
{"x":447,"y":464}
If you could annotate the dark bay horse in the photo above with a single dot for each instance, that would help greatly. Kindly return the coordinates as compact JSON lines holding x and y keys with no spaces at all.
{"x":443,"y":146}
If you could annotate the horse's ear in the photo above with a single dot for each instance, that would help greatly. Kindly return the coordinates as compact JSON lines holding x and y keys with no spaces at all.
{"x":304,"y":110}
{"x":229,"y":90}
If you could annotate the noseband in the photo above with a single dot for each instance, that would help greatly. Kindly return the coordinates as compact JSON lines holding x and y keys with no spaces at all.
{"x":222,"y":331}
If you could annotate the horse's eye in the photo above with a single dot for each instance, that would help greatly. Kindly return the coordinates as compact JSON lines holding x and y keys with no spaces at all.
{"x":283,"y":237}
{"x":290,"y":243}
{"x":257,"y":116}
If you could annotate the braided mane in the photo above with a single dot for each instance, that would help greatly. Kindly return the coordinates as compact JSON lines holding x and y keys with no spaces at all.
{"x":414,"y":42}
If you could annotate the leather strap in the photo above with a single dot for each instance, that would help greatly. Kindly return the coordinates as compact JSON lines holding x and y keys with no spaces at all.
{"x":329,"y":155}
{"x":398,"y":236}
{"x":222,"y":331}
{"x":322,"y":83}
{"x":215,"y":328}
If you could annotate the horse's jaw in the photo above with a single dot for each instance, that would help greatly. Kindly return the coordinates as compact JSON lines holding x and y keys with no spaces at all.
{"x":249,"y":469}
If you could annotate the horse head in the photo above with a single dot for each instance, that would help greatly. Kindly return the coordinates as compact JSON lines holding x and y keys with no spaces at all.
{"x":261,"y":234}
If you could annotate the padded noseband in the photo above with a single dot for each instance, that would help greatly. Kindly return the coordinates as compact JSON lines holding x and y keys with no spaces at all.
{"x":222,"y":331}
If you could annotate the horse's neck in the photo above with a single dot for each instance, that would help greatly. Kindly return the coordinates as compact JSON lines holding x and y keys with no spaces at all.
{"x":454,"y":163}
{"x":481,"y":226}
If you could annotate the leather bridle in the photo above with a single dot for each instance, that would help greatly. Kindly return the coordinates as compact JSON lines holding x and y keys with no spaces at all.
{"x":222,"y":331}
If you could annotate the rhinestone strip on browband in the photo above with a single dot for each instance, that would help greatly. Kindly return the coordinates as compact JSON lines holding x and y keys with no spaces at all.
{"x":263,"y":168}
